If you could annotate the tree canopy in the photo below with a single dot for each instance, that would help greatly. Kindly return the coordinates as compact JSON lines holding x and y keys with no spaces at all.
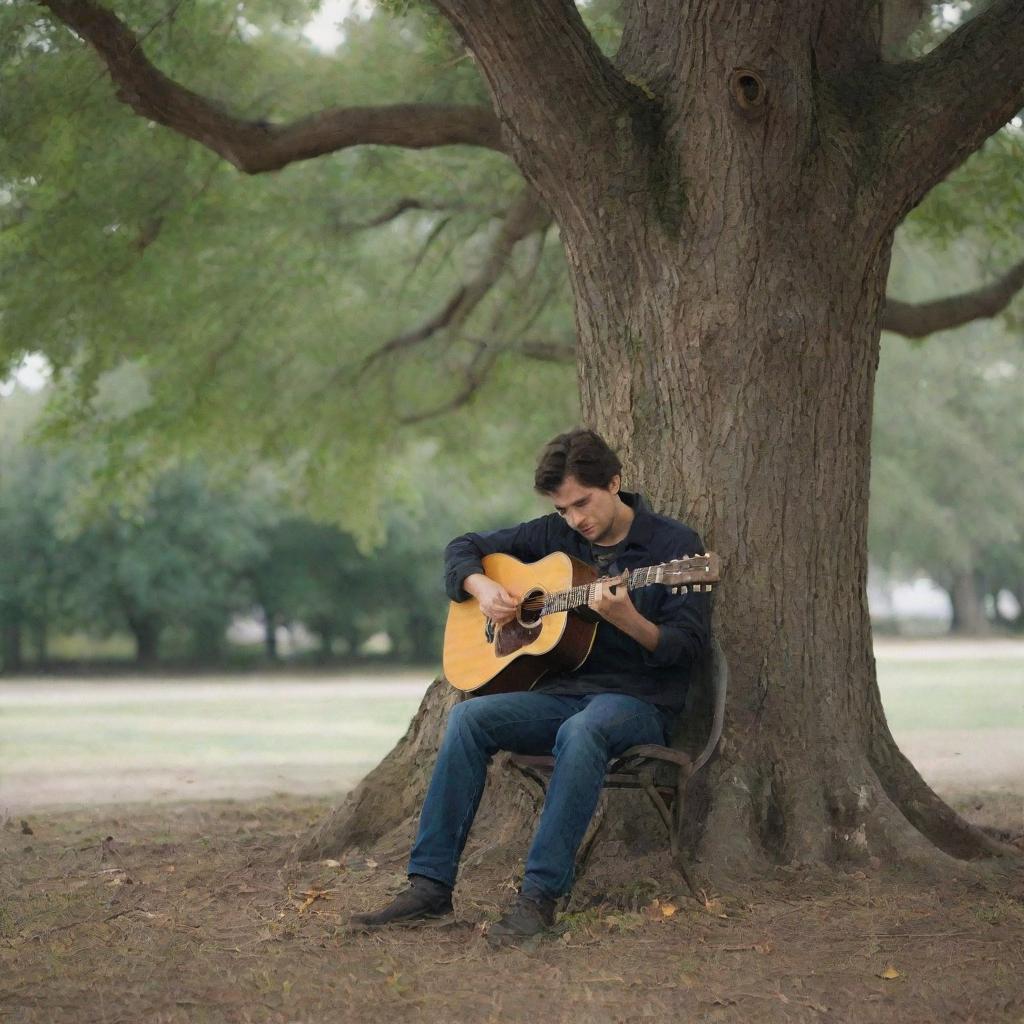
{"x":327,"y":315}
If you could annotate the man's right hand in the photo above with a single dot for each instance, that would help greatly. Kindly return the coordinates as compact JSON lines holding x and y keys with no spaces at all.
{"x":495,"y":601}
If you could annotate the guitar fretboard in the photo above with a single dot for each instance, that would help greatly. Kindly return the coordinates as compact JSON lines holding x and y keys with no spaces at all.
{"x":577,"y":597}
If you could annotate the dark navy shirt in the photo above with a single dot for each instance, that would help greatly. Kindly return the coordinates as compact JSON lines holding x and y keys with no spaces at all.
{"x":617,"y":663}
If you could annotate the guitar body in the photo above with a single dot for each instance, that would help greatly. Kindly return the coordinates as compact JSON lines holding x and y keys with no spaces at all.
{"x":482,"y":659}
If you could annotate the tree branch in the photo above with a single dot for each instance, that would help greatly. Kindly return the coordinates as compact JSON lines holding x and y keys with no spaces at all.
{"x":555,"y":92}
{"x":474,"y":375}
{"x":258,"y":146}
{"x":546,"y":351}
{"x":393,"y":212}
{"x":917,"y":320}
{"x":525,"y":216}
{"x":939,"y":109}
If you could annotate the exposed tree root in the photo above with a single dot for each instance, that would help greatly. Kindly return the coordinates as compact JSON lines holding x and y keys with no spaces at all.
{"x":840,"y":814}
{"x":926,"y":811}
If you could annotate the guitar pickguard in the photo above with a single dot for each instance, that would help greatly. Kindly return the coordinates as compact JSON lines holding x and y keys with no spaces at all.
{"x":514,"y":636}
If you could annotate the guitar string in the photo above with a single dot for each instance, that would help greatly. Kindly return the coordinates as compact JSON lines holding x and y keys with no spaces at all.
{"x":581,"y":594}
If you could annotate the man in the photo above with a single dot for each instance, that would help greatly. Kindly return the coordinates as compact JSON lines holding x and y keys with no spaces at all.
{"x":627,"y":692}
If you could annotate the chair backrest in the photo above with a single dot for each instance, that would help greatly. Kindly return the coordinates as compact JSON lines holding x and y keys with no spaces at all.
{"x":699,"y":726}
{"x":718,"y":679}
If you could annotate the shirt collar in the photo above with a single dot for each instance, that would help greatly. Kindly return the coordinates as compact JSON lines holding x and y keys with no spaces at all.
{"x":641,"y":530}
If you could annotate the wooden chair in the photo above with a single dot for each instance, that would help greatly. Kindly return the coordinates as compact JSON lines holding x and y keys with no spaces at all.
{"x":663,"y":773}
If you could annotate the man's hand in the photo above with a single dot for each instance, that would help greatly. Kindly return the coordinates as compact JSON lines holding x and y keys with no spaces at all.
{"x":613,"y":603}
{"x":495,"y":601}
{"x":618,"y":609}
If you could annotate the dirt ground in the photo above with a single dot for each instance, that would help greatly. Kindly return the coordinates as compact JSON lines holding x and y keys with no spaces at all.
{"x":193,"y":913}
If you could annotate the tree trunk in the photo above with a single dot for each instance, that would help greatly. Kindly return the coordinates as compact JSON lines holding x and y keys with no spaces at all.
{"x":729,"y":285}
{"x":270,"y":635}
{"x":1017,"y":624}
{"x":41,"y":638}
{"x":419,"y":639}
{"x":969,"y":618}
{"x":208,"y":641}
{"x":325,"y":651}
{"x":11,"y":658}
{"x":145,"y":629}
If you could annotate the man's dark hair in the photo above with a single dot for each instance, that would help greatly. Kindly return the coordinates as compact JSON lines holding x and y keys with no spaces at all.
{"x":581,"y":453}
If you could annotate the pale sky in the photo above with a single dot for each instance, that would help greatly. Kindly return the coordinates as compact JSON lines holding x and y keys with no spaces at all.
{"x":32,"y":374}
{"x":324,"y":31}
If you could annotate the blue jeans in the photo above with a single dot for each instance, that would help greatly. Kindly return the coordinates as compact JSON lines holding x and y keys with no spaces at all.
{"x":583,"y":732}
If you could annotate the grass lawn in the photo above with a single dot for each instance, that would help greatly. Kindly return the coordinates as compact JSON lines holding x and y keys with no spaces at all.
{"x":82,"y":741}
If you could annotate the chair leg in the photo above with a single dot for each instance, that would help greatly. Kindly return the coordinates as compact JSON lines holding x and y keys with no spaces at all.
{"x":677,"y":821}
{"x":661,"y":807}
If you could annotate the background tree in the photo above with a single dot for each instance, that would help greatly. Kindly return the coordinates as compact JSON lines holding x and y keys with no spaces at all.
{"x":947,"y":498}
{"x":726,"y":190}
{"x":179,"y":559}
{"x":33,"y":484}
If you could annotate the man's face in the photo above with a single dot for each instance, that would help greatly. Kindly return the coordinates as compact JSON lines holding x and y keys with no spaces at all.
{"x":590,"y":511}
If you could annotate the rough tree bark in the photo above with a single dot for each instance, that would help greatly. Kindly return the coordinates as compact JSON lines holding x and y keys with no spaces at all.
{"x":727,"y":189}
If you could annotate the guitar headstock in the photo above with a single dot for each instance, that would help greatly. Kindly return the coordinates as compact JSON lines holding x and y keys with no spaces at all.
{"x":696,"y":571}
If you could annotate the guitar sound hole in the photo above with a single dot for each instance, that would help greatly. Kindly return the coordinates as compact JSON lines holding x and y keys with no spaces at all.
{"x":530,"y":608}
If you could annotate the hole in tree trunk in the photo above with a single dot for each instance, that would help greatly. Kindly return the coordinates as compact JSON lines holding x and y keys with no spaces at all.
{"x":748,"y":90}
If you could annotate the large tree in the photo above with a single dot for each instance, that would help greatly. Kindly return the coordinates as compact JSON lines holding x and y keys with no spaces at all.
{"x":726,"y":180}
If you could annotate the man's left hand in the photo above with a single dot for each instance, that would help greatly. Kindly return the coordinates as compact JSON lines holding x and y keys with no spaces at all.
{"x":612,"y":602}
{"x":618,"y":609}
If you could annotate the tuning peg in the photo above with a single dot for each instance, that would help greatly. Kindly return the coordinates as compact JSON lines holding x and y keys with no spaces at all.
{"x":682,"y":590}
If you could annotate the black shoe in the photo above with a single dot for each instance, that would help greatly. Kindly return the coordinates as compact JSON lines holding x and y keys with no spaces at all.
{"x":424,"y":903}
{"x":529,"y":916}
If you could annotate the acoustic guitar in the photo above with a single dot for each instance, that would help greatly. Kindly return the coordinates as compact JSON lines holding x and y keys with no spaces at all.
{"x":547,"y":634}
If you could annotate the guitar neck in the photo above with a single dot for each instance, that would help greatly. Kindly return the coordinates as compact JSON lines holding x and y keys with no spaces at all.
{"x":577,"y":597}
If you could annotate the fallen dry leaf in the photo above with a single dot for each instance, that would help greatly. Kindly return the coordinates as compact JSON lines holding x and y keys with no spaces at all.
{"x":890,"y":973}
{"x":312,"y":895}
{"x":714,"y":906}
{"x":658,"y":911}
